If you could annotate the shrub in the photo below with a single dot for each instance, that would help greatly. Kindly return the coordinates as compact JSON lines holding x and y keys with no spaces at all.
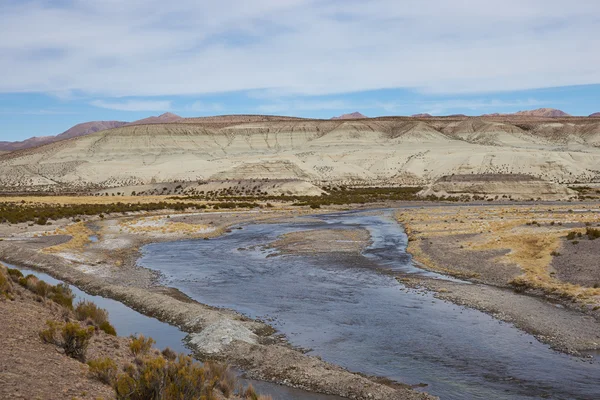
{"x":169,"y":354}
{"x":76,"y":339}
{"x":71,"y":337}
{"x":49,"y":335}
{"x":140,"y":345}
{"x":592,"y":233}
{"x":62,"y":295}
{"x":88,"y":311}
{"x":6,"y":287}
{"x":571,"y":235}
{"x":107,"y":328}
{"x":103,"y":369}
{"x":14,"y":274}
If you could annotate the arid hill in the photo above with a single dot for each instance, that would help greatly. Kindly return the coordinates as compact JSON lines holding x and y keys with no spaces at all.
{"x":378,"y":151}
{"x":161,"y":119}
{"x":595,"y":115}
{"x":78,"y":130}
{"x":540,"y":112}
{"x":543,"y":112}
{"x":497,"y":186}
{"x":354,"y":115}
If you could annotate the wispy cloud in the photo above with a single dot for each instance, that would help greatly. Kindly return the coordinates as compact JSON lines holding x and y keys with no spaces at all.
{"x":306,"y":47}
{"x":435,"y":107}
{"x":36,"y":112}
{"x":203,"y":107}
{"x":134,"y":105}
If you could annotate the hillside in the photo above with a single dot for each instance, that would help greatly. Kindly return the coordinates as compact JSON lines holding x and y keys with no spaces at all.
{"x":354,"y":115}
{"x":391,"y":150}
{"x":543,"y":112}
{"x":161,"y":119}
{"x":78,"y":130}
{"x":595,"y":115}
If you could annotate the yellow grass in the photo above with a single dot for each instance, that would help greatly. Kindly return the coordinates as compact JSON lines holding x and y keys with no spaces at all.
{"x":504,"y":228}
{"x":79,"y":233}
{"x":162,"y":225}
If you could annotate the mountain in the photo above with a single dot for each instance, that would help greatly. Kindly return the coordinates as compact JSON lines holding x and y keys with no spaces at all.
{"x":595,"y":115}
{"x":543,"y":112}
{"x":354,"y":115}
{"x":165,"y":118}
{"x":422,"y":115}
{"x":78,"y":130}
{"x":371,"y":151}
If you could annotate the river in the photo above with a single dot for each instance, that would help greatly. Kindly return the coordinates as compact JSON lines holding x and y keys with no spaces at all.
{"x":348,"y":312}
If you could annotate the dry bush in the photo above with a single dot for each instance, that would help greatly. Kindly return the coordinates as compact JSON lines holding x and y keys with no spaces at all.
{"x":104,"y":369}
{"x":6,"y":286}
{"x":592,"y":233}
{"x":71,"y":337}
{"x":179,"y":378}
{"x":140,"y":345}
{"x":169,"y":354}
{"x":62,"y":295}
{"x":88,"y":311}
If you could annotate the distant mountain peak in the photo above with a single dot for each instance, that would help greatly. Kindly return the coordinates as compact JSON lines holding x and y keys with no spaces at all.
{"x":161,"y":119}
{"x":422,"y":115}
{"x":82,"y":129}
{"x":354,"y":115}
{"x":168,"y":115}
{"x":543,"y":112}
{"x":595,"y":115}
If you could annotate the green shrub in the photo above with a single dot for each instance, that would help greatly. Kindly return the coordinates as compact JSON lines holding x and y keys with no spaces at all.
{"x":140,"y":345}
{"x":14,"y":274}
{"x":107,"y":328}
{"x":104,"y":369}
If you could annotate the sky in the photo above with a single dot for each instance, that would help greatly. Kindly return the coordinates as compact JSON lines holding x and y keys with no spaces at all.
{"x":69,"y":61}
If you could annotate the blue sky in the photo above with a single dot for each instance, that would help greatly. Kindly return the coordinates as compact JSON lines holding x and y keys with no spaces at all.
{"x":71,"y":61}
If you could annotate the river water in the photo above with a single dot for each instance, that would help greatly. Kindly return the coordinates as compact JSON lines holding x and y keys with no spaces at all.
{"x":349,"y":313}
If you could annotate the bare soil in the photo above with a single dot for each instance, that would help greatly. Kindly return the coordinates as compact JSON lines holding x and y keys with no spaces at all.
{"x":578,"y":262}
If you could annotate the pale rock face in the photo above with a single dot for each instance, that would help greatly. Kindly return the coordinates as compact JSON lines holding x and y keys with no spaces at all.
{"x":215,"y":337}
{"x":380,"y":151}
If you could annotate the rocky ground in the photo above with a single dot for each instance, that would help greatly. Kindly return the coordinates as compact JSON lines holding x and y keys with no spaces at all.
{"x":316,"y":241}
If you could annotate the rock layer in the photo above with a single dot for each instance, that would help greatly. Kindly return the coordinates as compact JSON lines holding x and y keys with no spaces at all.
{"x":380,"y":151}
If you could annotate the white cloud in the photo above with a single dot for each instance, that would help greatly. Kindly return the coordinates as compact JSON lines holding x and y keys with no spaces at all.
{"x":202,"y":107}
{"x":116,"y":48}
{"x":434,"y":107}
{"x":134,"y":105}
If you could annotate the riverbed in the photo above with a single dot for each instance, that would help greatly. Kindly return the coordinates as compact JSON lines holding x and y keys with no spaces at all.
{"x":349,"y":311}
